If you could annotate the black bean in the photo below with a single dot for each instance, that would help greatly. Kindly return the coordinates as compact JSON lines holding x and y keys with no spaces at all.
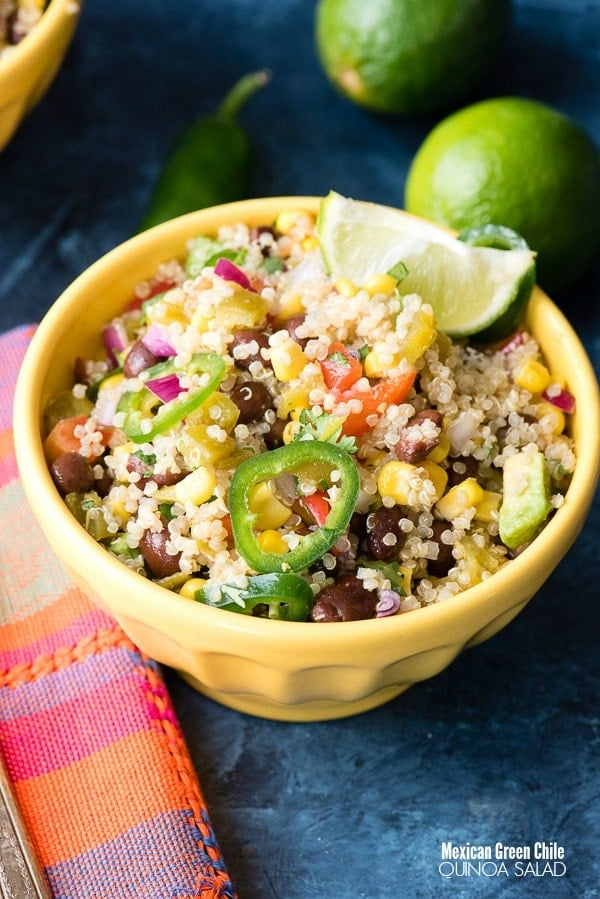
{"x":380,"y":525}
{"x":153,"y":547}
{"x":247,"y":336}
{"x":72,"y":473}
{"x":468,"y":463}
{"x":274,"y":436}
{"x":344,"y":600}
{"x":412,"y":446}
{"x":252,"y":399}
{"x":139,"y":358}
{"x":291,"y":326}
{"x":445,"y":561}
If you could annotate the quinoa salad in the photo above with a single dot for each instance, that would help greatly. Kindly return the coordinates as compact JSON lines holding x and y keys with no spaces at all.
{"x":17,"y":19}
{"x":266,"y":439}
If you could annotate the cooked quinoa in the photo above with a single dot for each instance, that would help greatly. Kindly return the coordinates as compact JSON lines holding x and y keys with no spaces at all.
{"x":424,"y":524}
{"x":17,"y":19}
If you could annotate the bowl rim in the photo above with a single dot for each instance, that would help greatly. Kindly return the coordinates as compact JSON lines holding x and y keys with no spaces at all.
{"x":558,"y":534}
{"x":45,"y":31}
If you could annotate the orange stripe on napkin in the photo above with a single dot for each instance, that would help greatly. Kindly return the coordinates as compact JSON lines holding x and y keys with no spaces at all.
{"x":61,"y":613}
{"x":110,"y":779}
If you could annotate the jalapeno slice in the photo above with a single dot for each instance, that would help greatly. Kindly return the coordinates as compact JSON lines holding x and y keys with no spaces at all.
{"x":305,"y":458}
{"x":282,"y":596}
{"x":142,"y":423}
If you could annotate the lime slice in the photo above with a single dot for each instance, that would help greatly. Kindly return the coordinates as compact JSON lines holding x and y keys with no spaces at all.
{"x":473,"y":289}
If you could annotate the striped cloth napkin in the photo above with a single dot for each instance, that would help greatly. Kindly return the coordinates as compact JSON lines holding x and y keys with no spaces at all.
{"x":88,"y":735}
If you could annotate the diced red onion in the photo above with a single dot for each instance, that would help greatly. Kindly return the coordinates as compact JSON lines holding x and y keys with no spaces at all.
{"x":563,"y":399}
{"x":157,"y":341}
{"x":228,"y":270}
{"x":115,"y":340}
{"x":389,"y":603}
{"x":166,"y":388}
{"x":517,"y":340}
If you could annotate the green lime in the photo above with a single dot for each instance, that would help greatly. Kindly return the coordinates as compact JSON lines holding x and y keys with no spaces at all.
{"x":473,"y":289}
{"x":519,"y":163}
{"x":409,"y":56}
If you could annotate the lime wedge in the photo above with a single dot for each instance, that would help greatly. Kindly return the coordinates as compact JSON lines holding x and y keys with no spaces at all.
{"x":473,"y":289}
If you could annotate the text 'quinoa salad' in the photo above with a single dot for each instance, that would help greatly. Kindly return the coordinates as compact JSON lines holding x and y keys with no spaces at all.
{"x":267,"y":439}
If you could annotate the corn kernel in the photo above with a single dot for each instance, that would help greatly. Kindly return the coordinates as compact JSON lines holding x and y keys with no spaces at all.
{"x":271,"y":541}
{"x":437,"y":475}
{"x":189,"y":588}
{"x":268,"y":511}
{"x":111,"y":381}
{"x":289,"y":219}
{"x":197,"y":487}
{"x":555,"y":416}
{"x":459,"y":498}
{"x":309,"y":244}
{"x":291,"y":304}
{"x":487,"y":509}
{"x":293,"y":399}
{"x":168,"y":310}
{"x":288,"y":360}
{"x":533,"y":376}
{"x":378,"y":361}
{"x":118,"y":510}
{"x":383,"y":283}
{"x":439,"y":452}
{"x":346,"y":287}
{"x":394,"y":481}
{"x":199,"y":322}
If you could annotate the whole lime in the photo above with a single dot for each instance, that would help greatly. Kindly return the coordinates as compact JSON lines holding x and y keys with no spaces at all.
{"x":519,"y":163}
{"x":409,"y":56}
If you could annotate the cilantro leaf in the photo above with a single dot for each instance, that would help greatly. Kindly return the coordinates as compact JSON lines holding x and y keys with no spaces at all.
{"x":319,"y":425}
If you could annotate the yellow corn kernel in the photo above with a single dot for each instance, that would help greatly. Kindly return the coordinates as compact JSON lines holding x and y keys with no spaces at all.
{"x":556,"y":416}
{"x":532,"y":375}
{"x":288,"y":360}
{"x":309,"y":244}
{"x":379,"y":360}
{"x":111,"y":381}
{"x":420,"y":335}
{"x":439,"y":452}
{"x":460,"y":498}
{"x":437,"y":475}
{"x":290,"y":431}
{"x":169,"y":309}
{"x":394,"y":481}
{"x":268,"y":511}
{"x":122,"y":450}
{"x":487,"y":509}
{"x":118,"y":510}
{"x":271,"y":541}
{"x":291,"y":304}
{"x":346,"y":287}
{"x":197,"y":487}
{"x":289,"y":219}
{"x":189,"y":588}
{"x":382,"y":283}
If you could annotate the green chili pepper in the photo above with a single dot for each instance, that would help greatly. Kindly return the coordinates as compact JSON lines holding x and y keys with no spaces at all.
{"x":282,"y":596}
{"x":210,"y":163}
{"x":138,"y":405}
{"x":311,"y":458}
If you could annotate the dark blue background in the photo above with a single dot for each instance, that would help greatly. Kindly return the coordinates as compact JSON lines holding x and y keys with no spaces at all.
{"x":504,"y":745}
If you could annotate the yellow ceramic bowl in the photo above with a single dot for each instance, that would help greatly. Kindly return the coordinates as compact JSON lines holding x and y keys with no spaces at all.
{"x":278,"y":669}
{"x":28,"y":70}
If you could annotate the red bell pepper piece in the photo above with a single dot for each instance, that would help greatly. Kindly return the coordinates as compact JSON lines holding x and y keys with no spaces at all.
{"x":340,"y":368}
{"x":375,"y":401}
{"x":318,"y":506}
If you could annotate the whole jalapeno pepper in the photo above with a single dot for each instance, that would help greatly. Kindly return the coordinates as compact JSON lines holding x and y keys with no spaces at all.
{"x":210,"y":163}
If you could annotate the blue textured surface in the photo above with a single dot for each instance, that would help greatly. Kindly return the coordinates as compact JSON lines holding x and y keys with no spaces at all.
{"x":504,"y":745}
